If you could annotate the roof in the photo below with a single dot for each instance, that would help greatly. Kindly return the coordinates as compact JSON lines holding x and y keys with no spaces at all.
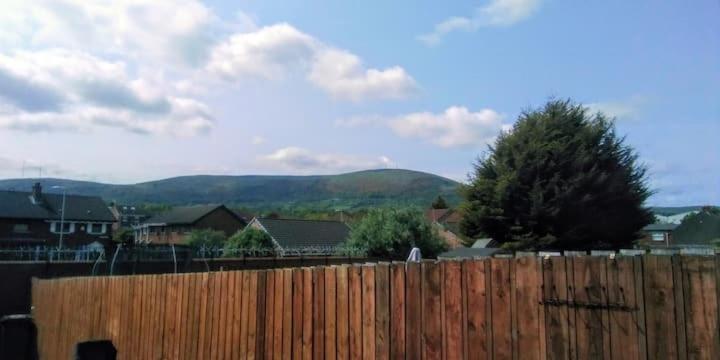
{"x":465,"y":252}
{"x":129,"y":210}
{"x":443,"y":215}
{"x":185,"y":215}
{"x":485,"y":243}
{"x":289,"y":233}
{"x":18,"y":205}
{"x":660,"y":227}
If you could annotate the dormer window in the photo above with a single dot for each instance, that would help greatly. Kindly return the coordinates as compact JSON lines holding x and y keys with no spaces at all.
{"x":96,"y":228}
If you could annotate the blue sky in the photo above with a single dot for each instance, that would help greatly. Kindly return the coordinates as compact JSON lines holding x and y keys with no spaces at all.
{"x":129,"y":91}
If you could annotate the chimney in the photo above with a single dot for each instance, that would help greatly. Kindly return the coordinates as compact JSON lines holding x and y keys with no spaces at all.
{"x":36,"y":193}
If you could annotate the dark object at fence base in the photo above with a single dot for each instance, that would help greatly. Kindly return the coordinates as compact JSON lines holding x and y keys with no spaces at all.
{"x":18,"y":337}
{"x":96,"y":350}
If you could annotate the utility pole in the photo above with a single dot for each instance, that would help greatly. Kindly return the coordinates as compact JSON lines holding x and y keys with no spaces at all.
{"x":62,"y":216}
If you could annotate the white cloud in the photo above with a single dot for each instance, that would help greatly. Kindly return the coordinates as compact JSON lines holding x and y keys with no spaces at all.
{"x":301,"y":160}
{"x":162,"y":29}
{"x":455,"y":127}
{"x":495,"y":13}
{"x":67,"y":90}
{"x":273,"y":51}
{"x":620,"y":110}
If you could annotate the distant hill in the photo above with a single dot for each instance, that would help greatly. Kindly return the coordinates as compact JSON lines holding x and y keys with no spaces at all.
{"x":673,"y":210}
{"x":345,"y":191}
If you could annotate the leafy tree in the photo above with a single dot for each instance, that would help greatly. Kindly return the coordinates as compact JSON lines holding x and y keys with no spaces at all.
{"x":560,"y":179}
{"x":439,"y":203}
{"x":206,"y":238}
{"x":124,"y":236}
{"x":393,"y":233}
{"x":250,"y":239}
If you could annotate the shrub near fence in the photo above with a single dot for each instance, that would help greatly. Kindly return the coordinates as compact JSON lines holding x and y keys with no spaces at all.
{"x":626,"y":307}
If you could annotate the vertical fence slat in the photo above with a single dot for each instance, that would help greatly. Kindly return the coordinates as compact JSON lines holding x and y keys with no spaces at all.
{"x":660,"y":308}
{"x":623,"y":324}
{"x":501,"y":307}
{"x":342,"y":306}
{"x":355,"y":310}
{"x":287,"y":314}
{"x":701,"y":307}
{"x":382,"y":311}
{"x":368,"y":311}
{"x":478,"y":331}
{"x":278,"y":316}
{"x":330,"y":314}
{"x":397,"y":311}
{"x":587,"y":288}
{"x":250,"y":292}
{"x":431,"y":316}
{"x":318,"y":313}
{"x":297,"y":313}
{"x":269,"y":309}
{"x":527,"y":285}
{"x":205,"y":288}
{"x":307,"y":311}
{"x":413,"y":311}
{"x":452,"y":287}
{"x":261,"y":311}
{"x":555,"y":289}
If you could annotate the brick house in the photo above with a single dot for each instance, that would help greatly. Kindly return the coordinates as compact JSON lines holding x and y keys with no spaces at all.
{"x":34,"y":218}
{"x":171,"y":227}
{"x":127,"y":216}
{"x":658,"y":235}
{"x":447,"y":223}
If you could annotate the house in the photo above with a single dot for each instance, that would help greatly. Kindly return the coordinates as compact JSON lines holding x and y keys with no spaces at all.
{"x":480,"y":248}
{"x":658,"y":235}
{"x":127,"y":216}
{"x":288,"y":234}
{"x":447,"y":222}
{"x":36,"y":218}
{"x":171,"y":227}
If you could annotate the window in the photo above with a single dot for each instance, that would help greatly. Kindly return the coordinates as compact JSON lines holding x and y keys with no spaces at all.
{"x":658,"y":236}
{"x":21,"y":228}
{"x":95,"y":228}
{"x":68,"y":227}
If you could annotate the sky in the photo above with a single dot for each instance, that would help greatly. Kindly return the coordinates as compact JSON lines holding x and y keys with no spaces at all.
{"x":129,"y":91}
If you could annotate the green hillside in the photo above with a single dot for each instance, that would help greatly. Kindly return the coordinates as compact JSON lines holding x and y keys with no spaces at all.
{"x":345,"y":191}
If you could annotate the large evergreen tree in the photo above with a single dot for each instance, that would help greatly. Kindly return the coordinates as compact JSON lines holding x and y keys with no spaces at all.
{"x":560,"y":179}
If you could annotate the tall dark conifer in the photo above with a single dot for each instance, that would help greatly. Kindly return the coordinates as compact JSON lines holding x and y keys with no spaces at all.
{"x":560,"y":179}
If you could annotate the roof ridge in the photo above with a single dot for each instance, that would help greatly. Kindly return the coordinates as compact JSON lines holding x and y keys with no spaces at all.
{"x":334,"y":221}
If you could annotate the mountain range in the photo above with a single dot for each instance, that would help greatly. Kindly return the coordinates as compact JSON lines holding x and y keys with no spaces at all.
{"x":322,"y":192}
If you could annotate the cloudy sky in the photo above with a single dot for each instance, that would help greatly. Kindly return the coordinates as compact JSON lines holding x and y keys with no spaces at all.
{"x":128,"y":91}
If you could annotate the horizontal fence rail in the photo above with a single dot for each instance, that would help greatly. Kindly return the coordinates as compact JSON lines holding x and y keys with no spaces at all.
{"x":528,"y":307}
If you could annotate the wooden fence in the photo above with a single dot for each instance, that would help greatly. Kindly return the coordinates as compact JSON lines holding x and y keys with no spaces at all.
{"x":584,"y":307}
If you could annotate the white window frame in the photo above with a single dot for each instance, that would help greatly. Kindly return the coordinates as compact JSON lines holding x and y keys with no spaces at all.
{"x":103,"y":228}
{"x":55,"y":227}
{"x":657,"y":236}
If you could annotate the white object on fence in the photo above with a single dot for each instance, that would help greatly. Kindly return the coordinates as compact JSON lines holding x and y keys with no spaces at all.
{"x":414,"y":255}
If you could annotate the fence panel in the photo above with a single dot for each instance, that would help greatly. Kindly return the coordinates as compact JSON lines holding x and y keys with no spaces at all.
{"x":584,"y":307}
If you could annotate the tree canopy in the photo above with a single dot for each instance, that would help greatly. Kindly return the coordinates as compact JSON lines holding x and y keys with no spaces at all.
{"x":206,"y":238}
{"x":439,"y":203}
{"x":393,"y":233}
{"x":248,"y":239}
{"x":560,"y":179}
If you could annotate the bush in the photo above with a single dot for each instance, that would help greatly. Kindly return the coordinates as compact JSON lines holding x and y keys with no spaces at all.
{"x":393,"y":233}
{"x":207,"y":238}
{"x":248,"y":239}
